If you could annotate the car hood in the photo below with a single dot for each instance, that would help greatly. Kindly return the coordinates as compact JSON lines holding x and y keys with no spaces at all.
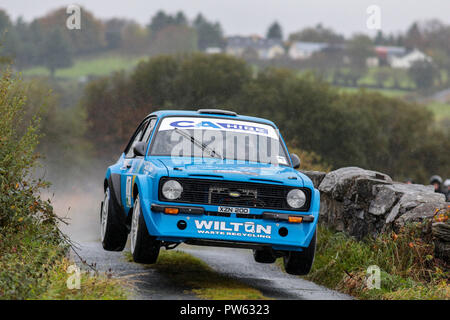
{"x":232,"y":170}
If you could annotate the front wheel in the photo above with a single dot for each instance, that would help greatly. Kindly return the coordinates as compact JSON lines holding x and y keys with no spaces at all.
{"x":300,"y":262}
{"x":144,"y":247}
{"x":112,"y":233}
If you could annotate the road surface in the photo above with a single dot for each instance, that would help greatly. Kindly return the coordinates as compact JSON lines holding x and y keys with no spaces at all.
{"x":148,"y":283}
{"x":238,"y":264}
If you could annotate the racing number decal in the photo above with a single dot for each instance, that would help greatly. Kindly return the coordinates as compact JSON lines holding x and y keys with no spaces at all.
{"x":128,"y":191}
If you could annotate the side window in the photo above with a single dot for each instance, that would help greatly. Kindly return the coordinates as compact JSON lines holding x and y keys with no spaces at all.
{"x":149,"y":130}
{"x":129,"y":152}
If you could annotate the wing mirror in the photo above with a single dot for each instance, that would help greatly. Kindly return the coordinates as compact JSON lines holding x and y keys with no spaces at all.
{"x":295,"y":161}
{"x":139,"y":149}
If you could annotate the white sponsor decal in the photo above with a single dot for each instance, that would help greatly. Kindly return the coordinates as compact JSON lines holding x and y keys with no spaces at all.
{"x":171,"y":123}
{"x":240,"y":171}
{"x":240,"y":229}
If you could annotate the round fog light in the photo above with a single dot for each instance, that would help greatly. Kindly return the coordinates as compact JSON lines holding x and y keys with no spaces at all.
{"x":283,"y":232}
{"x":181,"y":224}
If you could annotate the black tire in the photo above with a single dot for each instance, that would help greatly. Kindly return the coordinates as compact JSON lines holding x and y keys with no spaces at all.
{"x":300,"y":262}
{"x":113,"y":233}
{"x":144,"y":247}
{"x":264,"y":256}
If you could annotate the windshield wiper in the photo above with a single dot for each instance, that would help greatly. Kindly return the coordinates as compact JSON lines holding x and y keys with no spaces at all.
{"x":203,"y":146}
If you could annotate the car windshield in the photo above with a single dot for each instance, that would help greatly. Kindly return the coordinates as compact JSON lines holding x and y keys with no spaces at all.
{"x":225,"y":139}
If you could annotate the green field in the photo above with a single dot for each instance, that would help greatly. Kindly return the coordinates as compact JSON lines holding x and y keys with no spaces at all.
{"x":95,"y":66}
{"x":387,"y":92}
{"x":101,"y":65}
{"x":404,"y":81}
{"x":441,"y":110}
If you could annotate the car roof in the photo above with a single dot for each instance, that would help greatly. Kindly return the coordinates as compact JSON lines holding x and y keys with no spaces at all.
{"x":166,"y":113}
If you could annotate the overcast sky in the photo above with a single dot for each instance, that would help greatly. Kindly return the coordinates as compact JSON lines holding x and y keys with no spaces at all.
{"x":253,"y":16}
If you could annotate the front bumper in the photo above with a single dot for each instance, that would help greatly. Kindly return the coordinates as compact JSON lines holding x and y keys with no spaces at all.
{"x":203,"y":224}
{"x":266,"y":215}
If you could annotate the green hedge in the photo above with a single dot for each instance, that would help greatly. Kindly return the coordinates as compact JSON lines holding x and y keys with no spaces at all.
{"x":363,"y":129}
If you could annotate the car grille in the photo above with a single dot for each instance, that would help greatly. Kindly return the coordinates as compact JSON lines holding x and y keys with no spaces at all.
{"x":217,"y":192}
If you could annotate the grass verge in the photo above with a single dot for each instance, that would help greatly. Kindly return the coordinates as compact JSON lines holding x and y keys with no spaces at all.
{"x":92,"y":286}
{"x":409,"y":269}
{"x":202,"y":280}
{"x":33,"y":266}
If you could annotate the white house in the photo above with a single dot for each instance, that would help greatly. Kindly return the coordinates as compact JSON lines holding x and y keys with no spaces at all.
{"x":303,"y":50}
{"x":213,"y":50}
{"x":406,"y":61}
{"x":265,"y":49}
{"x":388,"y":52}
{"x":271,"y":50}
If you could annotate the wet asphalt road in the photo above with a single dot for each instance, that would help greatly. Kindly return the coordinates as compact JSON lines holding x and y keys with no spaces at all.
{"x":148,"y":283}
{"x":238,"y":264}
{"x":145,"y":283}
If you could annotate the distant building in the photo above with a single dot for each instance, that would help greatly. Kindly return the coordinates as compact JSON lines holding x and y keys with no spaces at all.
{"x":300,"y":50}
{"x":213,"y":50}
{"x":399,"y":57}
{"x":386,"y":53}
{"x":258,"y":47}
{"x":406,"y":61}
{"x":372,"y":62}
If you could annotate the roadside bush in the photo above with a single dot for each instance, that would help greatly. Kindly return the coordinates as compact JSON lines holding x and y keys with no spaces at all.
{"x":363,"y":129}
{"x":112,"y":114}
{"x":32,"y":248}
{"x":27,"y":255}
{"x":62,"y":145}
{"x":409,"y":268}
{"x":19,"y":201}
{"x":393,"y":136}
{"x":26,"y":221}
{"x":310,"y":161}
{"x":115,"y":105}
{"x":304,"y":110}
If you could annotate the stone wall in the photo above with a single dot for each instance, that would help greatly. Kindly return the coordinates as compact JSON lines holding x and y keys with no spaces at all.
{"x":363,"y":202}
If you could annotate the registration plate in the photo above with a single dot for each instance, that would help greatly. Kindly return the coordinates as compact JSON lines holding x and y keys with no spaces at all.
{"x":234,"y":210}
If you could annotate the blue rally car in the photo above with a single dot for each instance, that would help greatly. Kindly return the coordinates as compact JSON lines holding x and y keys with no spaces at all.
{"x":210,"y":177}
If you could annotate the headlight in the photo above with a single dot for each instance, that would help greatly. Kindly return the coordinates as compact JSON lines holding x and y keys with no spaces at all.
{"x":172,"y":189}
{"x":296,"y":198}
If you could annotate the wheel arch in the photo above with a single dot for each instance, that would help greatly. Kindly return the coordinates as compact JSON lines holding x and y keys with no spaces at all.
{"x":141,"y":186}
{"x":135,"y":190}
